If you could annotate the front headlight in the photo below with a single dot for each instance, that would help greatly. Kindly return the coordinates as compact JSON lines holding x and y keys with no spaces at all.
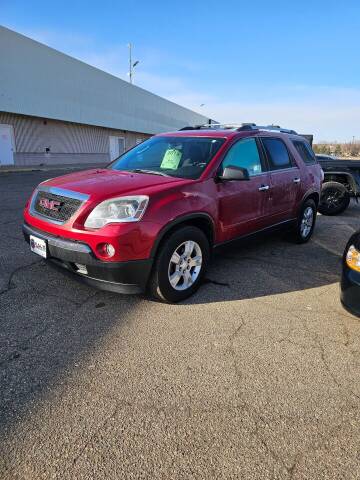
{"x":117,"y":210}
{"x":353,"y":258}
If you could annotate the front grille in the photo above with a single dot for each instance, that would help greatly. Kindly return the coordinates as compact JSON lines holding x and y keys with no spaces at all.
{"x":65,"y":206}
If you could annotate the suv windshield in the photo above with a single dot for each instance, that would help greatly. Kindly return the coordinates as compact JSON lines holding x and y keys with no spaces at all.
{"x":184,"y":157}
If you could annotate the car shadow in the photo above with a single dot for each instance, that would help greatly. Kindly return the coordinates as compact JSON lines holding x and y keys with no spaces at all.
{"x":48,"y":322}
{"x":272,"y":264}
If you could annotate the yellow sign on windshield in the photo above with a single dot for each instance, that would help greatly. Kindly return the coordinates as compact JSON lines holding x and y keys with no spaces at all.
{"x":171,"y":159}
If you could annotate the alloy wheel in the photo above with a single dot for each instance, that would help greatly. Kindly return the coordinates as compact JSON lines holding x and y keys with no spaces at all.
{"x":185,"y":265}
{"x":333,"y":198}
{"x":307,"y":222}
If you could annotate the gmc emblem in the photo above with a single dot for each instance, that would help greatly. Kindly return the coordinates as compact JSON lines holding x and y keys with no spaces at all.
{"x":50,"y":204}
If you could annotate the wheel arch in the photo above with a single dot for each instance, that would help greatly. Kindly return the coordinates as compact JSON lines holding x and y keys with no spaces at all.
{"x":201,"y":220}
{"x":344,"y":178}
{"x":312,"y":196}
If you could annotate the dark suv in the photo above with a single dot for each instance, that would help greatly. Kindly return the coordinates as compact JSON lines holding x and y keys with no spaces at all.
{"x":350,"y":282}
{"x":150,"y":219}
{"x":341,"y":183}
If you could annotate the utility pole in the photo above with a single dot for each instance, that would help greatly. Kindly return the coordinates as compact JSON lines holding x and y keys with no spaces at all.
{"x":130,"y":62}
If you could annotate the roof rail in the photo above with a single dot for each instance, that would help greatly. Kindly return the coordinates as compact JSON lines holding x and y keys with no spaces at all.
{"x":242,"y":127}
{"x":271,"y":128}
{"x":219,"y":126}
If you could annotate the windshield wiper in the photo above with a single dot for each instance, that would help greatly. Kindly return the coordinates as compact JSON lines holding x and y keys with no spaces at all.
{"x":151,"y":172}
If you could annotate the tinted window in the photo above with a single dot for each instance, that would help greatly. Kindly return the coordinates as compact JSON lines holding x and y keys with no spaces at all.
{"x":305,"y":152}
{"x":277,"y":153}
{"x":184,"y":157}
{"x":244,"y":154}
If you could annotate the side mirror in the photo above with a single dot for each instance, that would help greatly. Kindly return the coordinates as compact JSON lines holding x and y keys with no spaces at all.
{"x":235,"y":173}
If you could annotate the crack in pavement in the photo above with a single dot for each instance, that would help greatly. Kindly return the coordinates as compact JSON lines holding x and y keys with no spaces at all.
{"x":78,"y":304}
{"x":316,"y":445}
{"x":23,"y":346}
{"x":321,"y":350}
{"x":10,"y":286}
{"x":259,"y":419}
{"x":255,"y":415}
{"x":256,"y":432}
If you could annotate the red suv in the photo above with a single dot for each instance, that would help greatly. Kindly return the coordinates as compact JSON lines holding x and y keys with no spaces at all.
{"x":150,"y":219}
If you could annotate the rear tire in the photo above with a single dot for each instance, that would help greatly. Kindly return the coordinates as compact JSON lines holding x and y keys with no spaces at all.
{"x":306,"y":222}
{"x":334,"y":199}
{"x":180,"y":265}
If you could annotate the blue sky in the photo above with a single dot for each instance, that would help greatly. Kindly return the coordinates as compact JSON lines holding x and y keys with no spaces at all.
{"x":290,"y":63}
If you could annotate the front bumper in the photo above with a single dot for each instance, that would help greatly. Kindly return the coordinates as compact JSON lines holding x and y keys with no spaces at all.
{"x":350,"y":290}
{"x":122,"y":277}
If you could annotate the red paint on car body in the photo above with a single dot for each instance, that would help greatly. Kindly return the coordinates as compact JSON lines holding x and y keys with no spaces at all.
{"x":236,"y":208}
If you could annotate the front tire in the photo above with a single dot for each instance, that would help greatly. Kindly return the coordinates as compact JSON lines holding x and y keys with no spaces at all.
{"x":180,"y":265}
{"x":335,"y":198}
{"x":306,"y":222}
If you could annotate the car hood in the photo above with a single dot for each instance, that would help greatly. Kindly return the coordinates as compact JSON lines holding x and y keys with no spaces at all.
{"x":106,"y":183}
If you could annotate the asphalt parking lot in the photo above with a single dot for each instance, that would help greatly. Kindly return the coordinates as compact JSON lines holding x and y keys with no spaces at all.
{"x":255,"y":377}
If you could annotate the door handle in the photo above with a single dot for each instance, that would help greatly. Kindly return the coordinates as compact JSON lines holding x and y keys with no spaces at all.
{"x":297,"y":180}
{"x":263,"y":188}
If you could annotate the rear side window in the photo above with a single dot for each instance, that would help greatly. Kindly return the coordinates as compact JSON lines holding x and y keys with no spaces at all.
{"x":244,"y":154}
{"x":305,"y":152}
{"x":277,"y":153}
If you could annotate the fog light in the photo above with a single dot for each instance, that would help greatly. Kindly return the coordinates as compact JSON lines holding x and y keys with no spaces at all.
{"x":353,"y":258}
{"x":106,"y":250}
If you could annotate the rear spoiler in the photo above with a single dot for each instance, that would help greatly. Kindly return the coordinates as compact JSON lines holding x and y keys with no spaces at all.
{"x":309,"y":138}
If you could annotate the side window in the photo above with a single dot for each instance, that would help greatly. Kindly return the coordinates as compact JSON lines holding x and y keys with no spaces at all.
{"x":244,"y":154}
{"x":277,"y":153}
{"x":305,"y":152}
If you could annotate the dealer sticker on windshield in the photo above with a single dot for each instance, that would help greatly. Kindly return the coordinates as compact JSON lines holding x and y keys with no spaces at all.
{"x":171,"y":159}
{"x":38,"y":245}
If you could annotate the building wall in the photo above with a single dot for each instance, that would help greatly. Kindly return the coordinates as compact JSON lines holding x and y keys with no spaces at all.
{"x":42,"y":82}
{"x":68,"y":142}
{"x":59,"y":103}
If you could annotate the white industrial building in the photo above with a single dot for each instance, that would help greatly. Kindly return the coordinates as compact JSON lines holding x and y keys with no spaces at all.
{"x":55,"y":109}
